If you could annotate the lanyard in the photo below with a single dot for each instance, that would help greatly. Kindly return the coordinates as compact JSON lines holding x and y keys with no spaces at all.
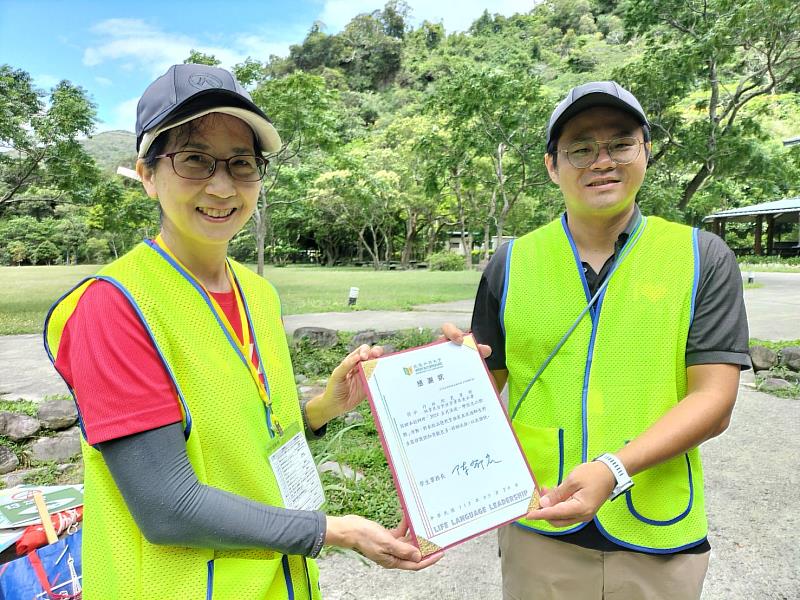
{"x":626,"y":249}
{"x":243,"y":345}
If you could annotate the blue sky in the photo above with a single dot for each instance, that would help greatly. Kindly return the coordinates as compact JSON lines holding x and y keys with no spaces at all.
{"x":114,"y":49}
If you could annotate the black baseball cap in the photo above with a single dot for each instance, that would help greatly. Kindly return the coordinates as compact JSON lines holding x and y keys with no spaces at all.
{"x":189,"y":91}
{"x":589,"y":95}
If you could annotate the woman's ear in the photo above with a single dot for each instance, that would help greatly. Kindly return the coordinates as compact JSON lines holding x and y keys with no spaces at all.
{"x":147,"y":175}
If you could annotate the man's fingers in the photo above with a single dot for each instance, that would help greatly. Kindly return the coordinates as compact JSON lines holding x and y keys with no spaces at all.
{"x":418,"y":566}
{"x":486,"y":351}
{"x":568,"y":510}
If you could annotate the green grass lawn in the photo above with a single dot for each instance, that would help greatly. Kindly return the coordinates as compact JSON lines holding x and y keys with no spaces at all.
{"x":26,"y":293}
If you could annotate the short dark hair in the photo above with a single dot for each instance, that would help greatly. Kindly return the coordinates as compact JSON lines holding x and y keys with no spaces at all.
{"x":552,"y":147}
{"x":185,"y":131}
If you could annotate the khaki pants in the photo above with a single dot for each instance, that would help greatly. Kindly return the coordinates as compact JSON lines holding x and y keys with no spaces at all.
{"x":536,"y":567}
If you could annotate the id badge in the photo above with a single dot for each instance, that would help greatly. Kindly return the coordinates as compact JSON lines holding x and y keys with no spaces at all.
{"x":295,"y":471}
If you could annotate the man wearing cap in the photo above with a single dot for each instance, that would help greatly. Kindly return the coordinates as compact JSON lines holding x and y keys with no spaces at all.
{"x":621,"y":338}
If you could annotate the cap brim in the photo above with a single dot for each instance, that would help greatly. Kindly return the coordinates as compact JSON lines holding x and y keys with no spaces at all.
{"x":267,"y":135}
{"x":594,"y":100}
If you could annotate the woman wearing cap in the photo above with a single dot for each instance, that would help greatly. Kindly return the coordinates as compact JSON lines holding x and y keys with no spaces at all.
{"x":177,"y":359}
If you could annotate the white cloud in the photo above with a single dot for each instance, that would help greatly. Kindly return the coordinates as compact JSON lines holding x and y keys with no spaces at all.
{"x":137,"y":45}
{"x":104,"y":81}
{"x":123,"y":117}
{"x":456,"y":15}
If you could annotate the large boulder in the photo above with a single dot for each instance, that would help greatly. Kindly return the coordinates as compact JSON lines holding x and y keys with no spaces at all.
{"x":60,"y":447}
{"x":763,"y":358}
{"x":790,"y":357}
{"x":369,"y":337}
{"x":8,"y":460}
{"x":319,"y":336}
{"x":57,"y":414}
{"x":18,"y":426}
{"x":774,"y":384}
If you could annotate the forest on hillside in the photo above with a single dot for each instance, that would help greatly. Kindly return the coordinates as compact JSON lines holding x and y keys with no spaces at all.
{"x":398,"y":137}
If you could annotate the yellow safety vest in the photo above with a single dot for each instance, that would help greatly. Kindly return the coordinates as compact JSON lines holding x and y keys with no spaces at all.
{"x":621,"y":369}
{"x":225,"y":423}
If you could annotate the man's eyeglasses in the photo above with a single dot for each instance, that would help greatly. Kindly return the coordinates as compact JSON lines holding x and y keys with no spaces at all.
{"x":190,"y":164}
{"x":623,"y":150}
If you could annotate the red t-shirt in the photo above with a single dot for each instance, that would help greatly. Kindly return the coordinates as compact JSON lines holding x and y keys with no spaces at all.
{"x":107,"y":357}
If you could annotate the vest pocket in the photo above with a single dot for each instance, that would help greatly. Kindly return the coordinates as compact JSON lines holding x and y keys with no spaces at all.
{"x":235,"y":578}
{"x":664,"y":494}
{"x":544,"y":450}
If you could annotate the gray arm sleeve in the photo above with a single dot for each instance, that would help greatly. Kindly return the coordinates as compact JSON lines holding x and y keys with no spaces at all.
{"x":171,"y":507}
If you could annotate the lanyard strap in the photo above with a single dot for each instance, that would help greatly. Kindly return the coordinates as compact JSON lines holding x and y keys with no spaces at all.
{"x":244,"y":345}
{"x":626,"y":249}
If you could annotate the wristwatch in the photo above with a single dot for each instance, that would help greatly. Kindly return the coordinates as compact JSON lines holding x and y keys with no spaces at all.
{"x":624,"y":482}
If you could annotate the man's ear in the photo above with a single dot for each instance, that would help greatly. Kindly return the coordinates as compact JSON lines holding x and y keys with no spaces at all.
{"x":552,"y":169}
{"x":147,"y":175}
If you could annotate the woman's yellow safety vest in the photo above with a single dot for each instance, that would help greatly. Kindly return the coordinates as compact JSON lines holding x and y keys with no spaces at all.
{"x":226,"y":428}
{"x":621,"y":369}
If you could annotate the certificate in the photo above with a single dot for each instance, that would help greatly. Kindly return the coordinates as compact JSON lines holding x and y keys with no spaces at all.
{"x":456,"y":462}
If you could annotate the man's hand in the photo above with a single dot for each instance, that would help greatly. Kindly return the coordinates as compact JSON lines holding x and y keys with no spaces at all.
{"x":344,"y":391}
{"x":578,"y":498}
{"x":454,"y":334}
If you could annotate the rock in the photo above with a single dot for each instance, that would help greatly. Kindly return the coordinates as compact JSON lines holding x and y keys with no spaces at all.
{"x":318,"y":336}
{"x":774,"y":384}
{"x":388,"y":349}
{"x":57,"y":414}
{"x":63,"y":446}
{"x":8,"y":460}
{"x":18,"y":426}
{"x":369,"y":337}
{"x":341,"y":471}
{"x":353,"y":417}
{"x":790,"y":357}
{"x":763,"y":358}
{"x":300,"y":378}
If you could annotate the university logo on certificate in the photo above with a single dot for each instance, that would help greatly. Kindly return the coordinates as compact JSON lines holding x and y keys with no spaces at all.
{"x":457,"y":465}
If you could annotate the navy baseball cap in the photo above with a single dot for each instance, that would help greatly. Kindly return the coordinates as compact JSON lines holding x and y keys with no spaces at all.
{"x":189,"y":91}
{"x":589,"y":95}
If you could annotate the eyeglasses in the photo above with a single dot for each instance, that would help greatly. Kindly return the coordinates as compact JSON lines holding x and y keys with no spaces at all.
{"x":623,"y":150}
{"x":199,"y":165}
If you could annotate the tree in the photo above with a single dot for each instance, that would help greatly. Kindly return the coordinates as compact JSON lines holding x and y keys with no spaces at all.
{"x":200,"y":58}
{"x":500,"y":116}
{"x":304,"y":112}
{"x":45,"y":253}
{"x":18,"y":251}
{"x":725,"y":54}
{"x":42,"y":140}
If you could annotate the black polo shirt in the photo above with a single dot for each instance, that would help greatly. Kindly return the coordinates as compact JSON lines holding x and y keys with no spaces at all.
{"x":718,"y":332}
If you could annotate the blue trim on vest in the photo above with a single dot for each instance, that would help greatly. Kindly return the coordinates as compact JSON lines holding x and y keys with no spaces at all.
{"x":188,"y":429}
{"x":505,"y":288}
{"x":53,"y":360}
{"x":560,"y":455}
{"x":645,"y":548}
{"x":210,"y":580}
{"x":308,"y":578}
{"x":696,"y":279}
{"x":287,"y":575}
{"x":549,"y":533}
{"x":629,"y":501}
{"x":207,"y":300}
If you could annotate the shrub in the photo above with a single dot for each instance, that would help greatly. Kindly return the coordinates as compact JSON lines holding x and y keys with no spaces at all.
{"x":446,"y":261}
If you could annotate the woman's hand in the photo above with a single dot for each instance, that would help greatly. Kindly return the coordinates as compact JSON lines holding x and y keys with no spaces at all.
{"x":345,"y":389}
{"x":388,"y":548}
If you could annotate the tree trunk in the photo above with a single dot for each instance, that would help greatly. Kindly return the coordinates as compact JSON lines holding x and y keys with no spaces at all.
{"x":408,"y":242}
{"x":693,"y":186}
